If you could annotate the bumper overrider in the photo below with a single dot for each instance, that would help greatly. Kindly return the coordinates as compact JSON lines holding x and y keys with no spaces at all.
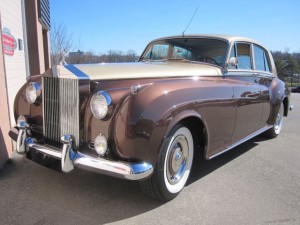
{"x":71,"y":159}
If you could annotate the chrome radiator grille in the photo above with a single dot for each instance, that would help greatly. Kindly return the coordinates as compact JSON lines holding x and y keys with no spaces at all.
{"x":61,"y":109}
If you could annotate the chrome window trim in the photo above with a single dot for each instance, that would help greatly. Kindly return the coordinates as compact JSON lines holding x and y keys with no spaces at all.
{"x":252,"y":71}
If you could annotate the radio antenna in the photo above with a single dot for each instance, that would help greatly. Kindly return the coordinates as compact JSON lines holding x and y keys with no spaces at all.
{"x":190,"y":21}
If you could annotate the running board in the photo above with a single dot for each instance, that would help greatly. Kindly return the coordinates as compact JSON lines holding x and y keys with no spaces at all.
{"x":242,"y":141}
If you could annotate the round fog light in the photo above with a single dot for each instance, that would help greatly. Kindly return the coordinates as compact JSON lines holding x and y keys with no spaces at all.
{"x":100,"y":145}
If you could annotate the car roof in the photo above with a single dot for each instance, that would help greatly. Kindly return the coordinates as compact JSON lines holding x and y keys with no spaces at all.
{"x":225,"y":37}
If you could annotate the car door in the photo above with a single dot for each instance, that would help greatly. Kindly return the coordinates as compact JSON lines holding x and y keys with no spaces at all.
{"x":247,"y":92}
{"x":264,"y":78}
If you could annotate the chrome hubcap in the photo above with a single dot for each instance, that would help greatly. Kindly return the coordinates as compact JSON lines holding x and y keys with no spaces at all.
{"x":278,"y":121}
{"x":176,"y":161}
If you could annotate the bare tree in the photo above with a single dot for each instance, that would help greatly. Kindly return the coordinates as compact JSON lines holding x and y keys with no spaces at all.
{"x":61,"y":43}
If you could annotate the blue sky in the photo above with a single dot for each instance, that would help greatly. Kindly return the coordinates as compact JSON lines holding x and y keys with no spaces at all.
{"x":102,"y":25}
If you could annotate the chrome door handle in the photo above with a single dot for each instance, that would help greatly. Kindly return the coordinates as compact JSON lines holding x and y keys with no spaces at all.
{"x":253,"y":95}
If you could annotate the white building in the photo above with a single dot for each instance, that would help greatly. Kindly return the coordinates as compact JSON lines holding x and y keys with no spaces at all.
{"x":24,"y":52}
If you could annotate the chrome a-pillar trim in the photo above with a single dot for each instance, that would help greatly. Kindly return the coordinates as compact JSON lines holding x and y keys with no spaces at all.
{"x":71,"y":159}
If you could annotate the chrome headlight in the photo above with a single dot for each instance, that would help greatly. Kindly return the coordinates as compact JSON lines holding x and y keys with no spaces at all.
{"x":33,"y":92}
{"x":99,"y":104}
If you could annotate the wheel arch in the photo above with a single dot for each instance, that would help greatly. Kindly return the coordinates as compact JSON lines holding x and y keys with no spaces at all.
{"x":278,"y":94}
{"x":195,"y":123}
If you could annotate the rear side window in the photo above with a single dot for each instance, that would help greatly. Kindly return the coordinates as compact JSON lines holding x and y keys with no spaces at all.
{"x":244,"y":56}
{"x":260,"y":57}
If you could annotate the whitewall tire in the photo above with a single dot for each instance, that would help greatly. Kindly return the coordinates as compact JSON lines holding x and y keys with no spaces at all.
{"x":173,"y":167}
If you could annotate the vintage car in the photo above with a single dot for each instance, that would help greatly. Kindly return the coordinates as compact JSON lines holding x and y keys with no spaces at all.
{"x":146,"y":120}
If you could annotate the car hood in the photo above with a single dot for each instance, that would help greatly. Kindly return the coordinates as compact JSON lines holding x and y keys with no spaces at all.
{"x":111,"y":71}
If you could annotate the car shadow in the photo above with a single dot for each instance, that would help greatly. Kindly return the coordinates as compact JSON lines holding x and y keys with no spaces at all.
{"x":39,"y":195}
{"x":202,"y":167}
{"x":83,"y":197}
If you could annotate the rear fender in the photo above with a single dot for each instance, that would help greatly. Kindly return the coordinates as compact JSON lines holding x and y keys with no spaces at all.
{"x":278,"y":93}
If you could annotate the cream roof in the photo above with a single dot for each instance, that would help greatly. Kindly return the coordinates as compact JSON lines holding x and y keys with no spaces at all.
{"x":225,"y":37}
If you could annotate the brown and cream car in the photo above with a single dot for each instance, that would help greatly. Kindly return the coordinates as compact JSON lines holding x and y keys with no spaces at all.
{"x":145,"y":120}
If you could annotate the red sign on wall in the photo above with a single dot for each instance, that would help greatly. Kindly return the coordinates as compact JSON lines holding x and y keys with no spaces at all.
{"x":9,"y":42}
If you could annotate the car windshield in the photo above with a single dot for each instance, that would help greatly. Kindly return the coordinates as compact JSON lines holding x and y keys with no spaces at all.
{"x":187,"y":49}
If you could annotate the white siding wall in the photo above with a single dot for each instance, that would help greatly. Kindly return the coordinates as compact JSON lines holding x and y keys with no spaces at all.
{"x":11,"y":18}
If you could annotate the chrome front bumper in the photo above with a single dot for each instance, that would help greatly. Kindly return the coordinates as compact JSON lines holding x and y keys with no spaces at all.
{"x":71,"y":159}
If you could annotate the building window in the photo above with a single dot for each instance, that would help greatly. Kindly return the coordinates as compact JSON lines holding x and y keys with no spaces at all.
{"x":44,"y":13}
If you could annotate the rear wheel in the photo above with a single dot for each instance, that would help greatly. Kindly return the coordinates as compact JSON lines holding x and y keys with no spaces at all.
{"x":173,"y":166}
{"x":275,"y":130}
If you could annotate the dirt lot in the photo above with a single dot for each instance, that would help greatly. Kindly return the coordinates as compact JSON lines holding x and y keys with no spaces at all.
{"x":255,"y":183}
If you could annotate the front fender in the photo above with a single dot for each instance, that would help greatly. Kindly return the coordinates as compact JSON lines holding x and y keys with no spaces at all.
{"x":144,"y":120}
{"x":33,"y":112}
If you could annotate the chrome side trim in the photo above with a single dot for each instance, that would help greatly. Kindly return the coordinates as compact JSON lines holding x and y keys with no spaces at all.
{"x":242,"y":140}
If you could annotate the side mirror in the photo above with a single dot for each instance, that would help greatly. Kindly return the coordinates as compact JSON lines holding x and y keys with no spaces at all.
{"x":233,"y":61}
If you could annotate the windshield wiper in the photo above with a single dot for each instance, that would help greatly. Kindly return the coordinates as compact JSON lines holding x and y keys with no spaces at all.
{"x":145,"y":60}
{"x":153,"y":60}
{"x":164,"y":60}
{"x":178,"y":59}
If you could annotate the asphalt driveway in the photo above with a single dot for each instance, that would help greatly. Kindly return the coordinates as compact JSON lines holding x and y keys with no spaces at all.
{"x":255,"y":183}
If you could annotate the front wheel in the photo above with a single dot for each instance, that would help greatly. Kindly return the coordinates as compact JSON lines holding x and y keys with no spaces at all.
{"x":173,"y":167}
{"x":275,"y":130}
